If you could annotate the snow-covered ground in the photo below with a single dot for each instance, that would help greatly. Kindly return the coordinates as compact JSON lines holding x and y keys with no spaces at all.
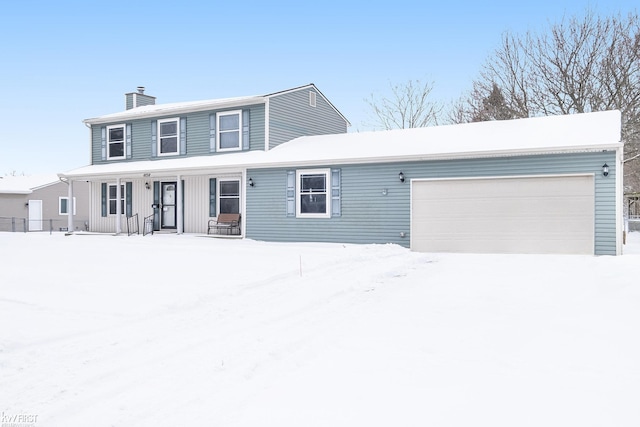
{"x":172,"y":330}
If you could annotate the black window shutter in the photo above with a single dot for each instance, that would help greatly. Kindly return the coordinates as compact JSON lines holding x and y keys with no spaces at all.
{"x":212,"y":197}
{"x":127,"y":197}
{"x":156,"y":203}
{"x":103,"y":198}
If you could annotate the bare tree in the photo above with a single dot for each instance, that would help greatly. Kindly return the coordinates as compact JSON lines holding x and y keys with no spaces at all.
{"x":580,"y":65}
{"x":408,"y":107}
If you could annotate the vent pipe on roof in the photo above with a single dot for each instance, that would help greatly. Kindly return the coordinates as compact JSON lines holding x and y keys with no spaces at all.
{"x":141,"y":90}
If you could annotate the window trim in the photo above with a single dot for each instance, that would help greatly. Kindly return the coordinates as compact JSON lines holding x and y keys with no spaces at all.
{"x":312,"y":99}
{"x":60,"y":205}
{"x":159,"y":122}
{"x":124,"y":141}
{"x":123,"y":196}
{"x":327,"y":191}
{"x":229,"y":113}
{"x":219,"y":196}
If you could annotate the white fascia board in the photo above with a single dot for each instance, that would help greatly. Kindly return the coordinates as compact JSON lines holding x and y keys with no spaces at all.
{"x":147,"y":167}
{"x":16,"y":191}
{"x":158,"y":110}
{"x":437,"y":156}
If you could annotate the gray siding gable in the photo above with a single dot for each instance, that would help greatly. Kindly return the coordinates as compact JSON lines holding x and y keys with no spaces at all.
{"x":291,"y":116}
{"x":197,"y":134}
{"x":368,"y":216}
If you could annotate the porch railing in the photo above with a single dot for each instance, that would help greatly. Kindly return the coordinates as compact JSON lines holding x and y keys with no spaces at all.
{"x":147,"y":226}
{"x":132,"y":225}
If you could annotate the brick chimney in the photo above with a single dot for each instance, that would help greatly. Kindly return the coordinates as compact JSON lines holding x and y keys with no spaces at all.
{"x":138,"y":99}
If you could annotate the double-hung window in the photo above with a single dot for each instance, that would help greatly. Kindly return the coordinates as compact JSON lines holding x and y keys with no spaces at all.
{"x":116,"y":136}
{"x":168,"y":134}
{"x":229,"y":196}
{"x":313,"y":193}
{"x":112,"y":201}
{"x":229,"y":130}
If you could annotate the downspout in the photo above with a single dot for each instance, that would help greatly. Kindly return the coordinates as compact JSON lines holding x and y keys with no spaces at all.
{"x":179,"y":205}
{"x":619,"y":199}
{"x":266,"y":125}
{"x":90,"y":143}
{"x":118,"y":207}
{"x":243,"y":203}
{"x":70,"y":205}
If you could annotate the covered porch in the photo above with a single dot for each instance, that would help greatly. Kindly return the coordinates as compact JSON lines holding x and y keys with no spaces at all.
{"x":178,"y":202}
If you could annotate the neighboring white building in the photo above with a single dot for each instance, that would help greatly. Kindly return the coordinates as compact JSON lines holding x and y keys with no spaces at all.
{"x":41,"y":203}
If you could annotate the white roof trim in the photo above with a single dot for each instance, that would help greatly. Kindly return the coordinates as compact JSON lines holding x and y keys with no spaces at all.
{"x":158,"y":110}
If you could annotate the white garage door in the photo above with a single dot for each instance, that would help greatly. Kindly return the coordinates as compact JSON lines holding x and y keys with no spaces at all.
{"x":541,"y":214}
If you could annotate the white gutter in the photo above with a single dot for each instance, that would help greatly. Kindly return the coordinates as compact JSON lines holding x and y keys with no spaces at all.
{"x":279,"y":163}
{"x":170,"y":109}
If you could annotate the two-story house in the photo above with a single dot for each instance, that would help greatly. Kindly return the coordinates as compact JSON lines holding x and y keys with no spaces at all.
{"x":185,"y":163}
{"x":285,"y":163}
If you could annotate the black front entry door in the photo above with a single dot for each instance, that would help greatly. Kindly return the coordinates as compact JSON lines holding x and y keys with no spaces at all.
{"x":168,"y":203}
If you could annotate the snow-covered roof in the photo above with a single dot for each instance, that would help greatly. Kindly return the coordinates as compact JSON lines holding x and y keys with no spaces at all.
{"x":553,"y":134}
{"x":175,"y":108}
{"x":26,"y":184}
{"x":154,"y":110}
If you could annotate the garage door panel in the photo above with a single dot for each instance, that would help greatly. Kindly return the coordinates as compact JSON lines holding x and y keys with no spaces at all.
{"x":506,"y":215}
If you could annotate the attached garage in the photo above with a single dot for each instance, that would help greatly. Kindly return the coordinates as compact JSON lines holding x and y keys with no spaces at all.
{"x":518,"y":214}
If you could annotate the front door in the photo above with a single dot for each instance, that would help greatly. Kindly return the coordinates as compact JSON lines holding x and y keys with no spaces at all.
{"x":168,"y":203}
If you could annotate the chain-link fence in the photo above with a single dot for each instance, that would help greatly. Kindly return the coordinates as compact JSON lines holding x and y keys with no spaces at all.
{"x":15,"y":224}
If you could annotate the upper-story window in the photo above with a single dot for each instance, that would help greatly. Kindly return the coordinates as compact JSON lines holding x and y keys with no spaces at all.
{"x":116,"y":136}
{"x":229,"y":130}
{"x":168,"y":132}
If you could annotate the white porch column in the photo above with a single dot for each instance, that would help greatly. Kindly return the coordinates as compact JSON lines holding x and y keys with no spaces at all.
{"x":118,"y":207}
{"x":179,"y":206}
{"x":70,"y":208}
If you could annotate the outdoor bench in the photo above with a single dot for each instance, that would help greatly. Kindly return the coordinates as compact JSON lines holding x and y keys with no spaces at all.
{"x":226,"y":223}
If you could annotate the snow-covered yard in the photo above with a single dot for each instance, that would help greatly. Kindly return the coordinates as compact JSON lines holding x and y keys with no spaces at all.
{"x":172,"y":330}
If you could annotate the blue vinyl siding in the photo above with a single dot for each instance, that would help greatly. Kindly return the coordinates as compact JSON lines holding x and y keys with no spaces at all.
{"x":368,"y":216}
{"x":197,"y":135}
{"x":291,"y":116}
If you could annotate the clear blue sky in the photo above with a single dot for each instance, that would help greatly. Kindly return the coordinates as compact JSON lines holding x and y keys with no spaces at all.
{"x":66,"y":61}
